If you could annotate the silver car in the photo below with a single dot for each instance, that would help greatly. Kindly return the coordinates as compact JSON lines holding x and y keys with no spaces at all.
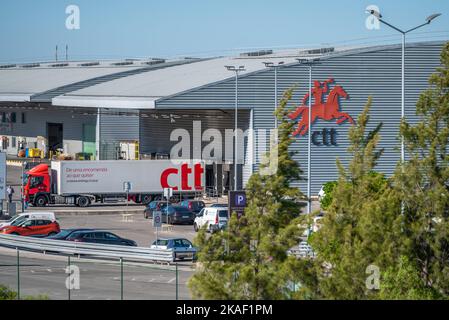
{"x":182,"y":248}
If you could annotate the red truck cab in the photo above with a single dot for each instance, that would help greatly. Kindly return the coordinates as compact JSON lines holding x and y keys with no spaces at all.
{"x":37,"y":186}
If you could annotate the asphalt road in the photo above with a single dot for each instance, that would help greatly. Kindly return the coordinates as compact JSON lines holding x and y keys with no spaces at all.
{"x":99,"y":280}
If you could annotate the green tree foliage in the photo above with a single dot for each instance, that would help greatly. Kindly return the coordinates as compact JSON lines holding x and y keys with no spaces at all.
{"x":328,"y":189}
{"x":358,"y":228}
{"x":422,"y":183}
{"x":7,"y":294}
{"x":249,"y":259}
{"x":404,"y":282}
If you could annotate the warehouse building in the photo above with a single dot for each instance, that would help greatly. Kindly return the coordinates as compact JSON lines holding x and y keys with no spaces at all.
{"x":103,"y":108}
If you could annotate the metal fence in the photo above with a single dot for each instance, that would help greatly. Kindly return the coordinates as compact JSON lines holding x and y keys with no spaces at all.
{"x":70,"y":270}
{"x":41,"y":276}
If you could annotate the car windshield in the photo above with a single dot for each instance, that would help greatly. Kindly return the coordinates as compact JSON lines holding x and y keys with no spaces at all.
{"x":223,"y":213}
{"x":74,"y":235}
{"x":18,"y":220}
{"x":198,"y":205}
{"x":63,"y":233}
{"x":161,"y":242}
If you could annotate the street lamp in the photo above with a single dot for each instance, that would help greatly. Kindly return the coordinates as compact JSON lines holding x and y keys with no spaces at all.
{"x":236,"y":70}
{"x":428,"y":21}
{"x":275,"y":67}
{"x":310,"y":63}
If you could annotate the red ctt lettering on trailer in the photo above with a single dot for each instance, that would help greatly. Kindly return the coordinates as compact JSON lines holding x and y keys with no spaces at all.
{"x":183,"y":176}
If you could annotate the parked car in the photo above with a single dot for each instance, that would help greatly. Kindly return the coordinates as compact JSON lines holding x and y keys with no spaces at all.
{"x":177,"y":214}
{"x":103,"y":237}
{"x":219,"y":205}
{"x":34,"y":227}
{"x":153,"y":206}
{"x":213,"y":218}
{"x":193,"y":205}
{"x":65,"y":233}
{"x":29,"y":215}
{"x":182,"y":248}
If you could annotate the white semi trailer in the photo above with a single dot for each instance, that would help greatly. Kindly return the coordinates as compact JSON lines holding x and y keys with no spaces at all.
{"x":84,"y":182}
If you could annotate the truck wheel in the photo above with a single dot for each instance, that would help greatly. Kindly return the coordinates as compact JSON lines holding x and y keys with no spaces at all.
{"x":195,"y":227}
{"x":83,"y":202}
{"x":41,"y":201}
{"x":146,"y":199}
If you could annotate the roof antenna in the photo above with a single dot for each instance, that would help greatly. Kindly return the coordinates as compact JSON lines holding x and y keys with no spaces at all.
{"x":56,"y":54}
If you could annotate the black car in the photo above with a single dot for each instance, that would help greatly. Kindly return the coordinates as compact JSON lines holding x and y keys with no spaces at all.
{"x":65,"y":233}
{"x":103,"y":237}
{"x":193,"y":205}
{"x":153,"y":206}
{"x":177,"y":214}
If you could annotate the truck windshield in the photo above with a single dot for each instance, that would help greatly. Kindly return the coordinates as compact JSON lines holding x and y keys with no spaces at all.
{"x":36,"y":181}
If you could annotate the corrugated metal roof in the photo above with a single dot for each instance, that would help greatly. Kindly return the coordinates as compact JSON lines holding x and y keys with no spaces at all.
{"x":162,"y":83}
{"x":19,"y":84}
{"x":44,"y":81}
{"x":148,"y":88}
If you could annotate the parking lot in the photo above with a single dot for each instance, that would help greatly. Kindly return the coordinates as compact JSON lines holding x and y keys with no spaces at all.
{"x":135,"y":227}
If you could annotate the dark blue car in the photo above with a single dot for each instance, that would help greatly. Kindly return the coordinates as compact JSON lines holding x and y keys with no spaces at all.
{"x":65,"y":233}
{"x":103,"y":237}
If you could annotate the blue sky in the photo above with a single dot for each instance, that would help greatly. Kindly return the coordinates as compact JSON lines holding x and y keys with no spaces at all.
{"x":30,"y":29}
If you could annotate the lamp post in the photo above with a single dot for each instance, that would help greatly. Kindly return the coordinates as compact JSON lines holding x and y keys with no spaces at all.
{"x":310,"y":63}
{"x":236,"y":70}
{"x":403,"y":32}
{"x":275,"y":67}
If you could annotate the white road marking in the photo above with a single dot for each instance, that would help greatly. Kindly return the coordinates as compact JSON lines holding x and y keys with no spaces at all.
{"x":171,"y":280}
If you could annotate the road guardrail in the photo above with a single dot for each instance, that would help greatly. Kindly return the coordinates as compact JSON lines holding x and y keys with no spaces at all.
{"x":86,"y":249}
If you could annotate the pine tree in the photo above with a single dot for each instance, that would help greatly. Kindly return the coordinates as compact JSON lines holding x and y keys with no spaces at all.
{"x":358,"y":229}
{"x":423,"y":181}
{"x":249,"y":259}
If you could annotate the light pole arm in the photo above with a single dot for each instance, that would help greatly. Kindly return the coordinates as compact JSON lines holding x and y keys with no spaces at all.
{"x":392,"y":26}
{"x":421,"y":25}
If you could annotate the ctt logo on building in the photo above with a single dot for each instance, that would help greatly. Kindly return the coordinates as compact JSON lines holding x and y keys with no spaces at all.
{"x":325,"y":108}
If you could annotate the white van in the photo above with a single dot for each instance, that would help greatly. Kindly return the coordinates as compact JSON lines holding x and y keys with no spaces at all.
{"x":213,"y":218}
{"x":28,"y":215}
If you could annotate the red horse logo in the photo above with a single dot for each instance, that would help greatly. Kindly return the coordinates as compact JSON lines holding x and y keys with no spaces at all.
{"x":328,"y":110}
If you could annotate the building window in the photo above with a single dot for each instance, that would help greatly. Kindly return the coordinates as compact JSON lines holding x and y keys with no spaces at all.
{"x":23,"y":117}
